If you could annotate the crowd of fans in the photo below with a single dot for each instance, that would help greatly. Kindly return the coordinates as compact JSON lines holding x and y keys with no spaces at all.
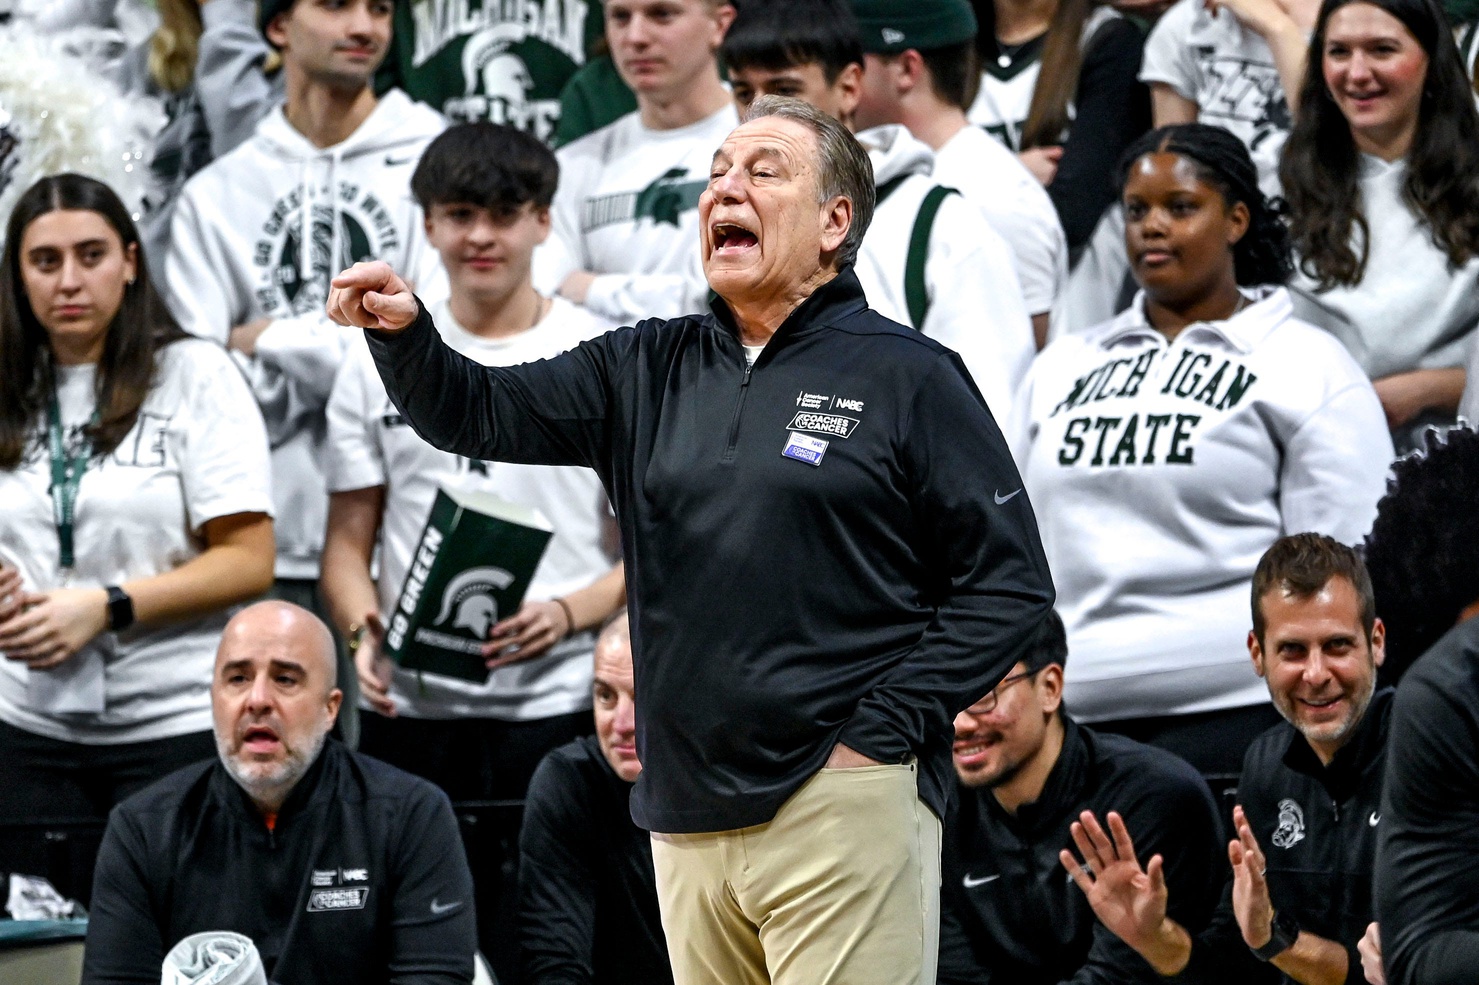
{"x":1213,"y":265}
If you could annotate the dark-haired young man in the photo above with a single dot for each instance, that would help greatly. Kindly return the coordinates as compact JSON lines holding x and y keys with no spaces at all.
{"x":928,"y":90}
{"x":486,"y":192}
{"x":1027,"y":772}
{"x":1300,"y":898}
{"x":1422,"y":551}
{"x":928,"y":261}
{"x":257,"y":234}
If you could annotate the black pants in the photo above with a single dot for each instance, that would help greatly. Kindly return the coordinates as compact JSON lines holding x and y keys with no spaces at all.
{"x":484,"y":766}
{"x":55,"y":797}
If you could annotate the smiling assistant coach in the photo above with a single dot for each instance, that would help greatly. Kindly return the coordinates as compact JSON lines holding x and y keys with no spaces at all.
{"x":828,"y":555}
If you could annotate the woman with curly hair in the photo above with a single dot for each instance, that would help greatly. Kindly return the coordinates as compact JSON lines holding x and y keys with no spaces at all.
{"x":1165,"y":450}
{"x":1381,"y":173}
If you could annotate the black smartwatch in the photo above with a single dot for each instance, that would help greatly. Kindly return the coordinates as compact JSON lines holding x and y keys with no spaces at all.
{"x":1285,"y":932}
{"x":120,"y":609}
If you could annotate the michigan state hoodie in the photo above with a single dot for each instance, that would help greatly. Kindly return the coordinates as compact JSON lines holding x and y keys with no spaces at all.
{"x":258,"y":234}
{"x":954,"y":264}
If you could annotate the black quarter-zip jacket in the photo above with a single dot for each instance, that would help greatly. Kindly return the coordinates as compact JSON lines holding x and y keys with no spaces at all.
{"x":831,"y":545}
{"x":1011,"y":915}
{"x":362,"y":879}
{"x":1318,"y":827}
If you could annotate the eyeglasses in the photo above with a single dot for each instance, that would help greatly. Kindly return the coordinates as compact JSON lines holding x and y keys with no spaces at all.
{"x":988,"y":704}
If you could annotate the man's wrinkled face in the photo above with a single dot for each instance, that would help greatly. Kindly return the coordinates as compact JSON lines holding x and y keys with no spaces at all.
{"x":1319,"y":665}
{"x":762,"y":230}
{"x":273,"y":701}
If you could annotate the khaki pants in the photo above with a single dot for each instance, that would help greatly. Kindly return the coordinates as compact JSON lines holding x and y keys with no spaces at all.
{"x":841,"y":887}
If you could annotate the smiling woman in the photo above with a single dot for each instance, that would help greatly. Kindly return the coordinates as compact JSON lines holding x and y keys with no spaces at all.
{"x":1165,"y":450}
{"x":134,"y":497}
{"x":1381,"y":173}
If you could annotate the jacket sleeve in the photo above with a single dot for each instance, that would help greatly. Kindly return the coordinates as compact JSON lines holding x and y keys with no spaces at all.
{"x":124,"y":943}
{"x":234,"y":92}
{"x":1113,"y":108}
{"x":549,"y":412}
{"x":979,"y":536}
{"x":1335,"y":466}
{"x":433,"y":926}
{"x":205,"y":304}
{"x":1427,"y":901}
{"x":557,"y":883}
{"x":976,"y":305}
{"x":1173,"y":817}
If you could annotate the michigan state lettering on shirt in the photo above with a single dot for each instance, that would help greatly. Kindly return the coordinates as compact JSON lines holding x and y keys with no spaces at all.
{"x":665,"y":200}
{"x":1164,"y":431}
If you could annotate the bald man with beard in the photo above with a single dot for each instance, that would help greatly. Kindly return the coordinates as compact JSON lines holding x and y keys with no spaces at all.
{"x":338,"y":867}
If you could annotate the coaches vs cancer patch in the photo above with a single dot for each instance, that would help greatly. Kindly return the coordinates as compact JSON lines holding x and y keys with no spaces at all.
{"x":805,"y":448}
{"x":338,"y":893}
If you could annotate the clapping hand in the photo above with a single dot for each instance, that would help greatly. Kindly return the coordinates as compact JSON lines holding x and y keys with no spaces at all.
{"x":1370,"y":949}
{"x":1251,"y":904}
{"x":370,"y":295}
{"x":1128,"y":900}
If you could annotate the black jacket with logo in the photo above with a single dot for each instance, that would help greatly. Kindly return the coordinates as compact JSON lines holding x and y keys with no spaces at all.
{"x":1317,"y":826}
{"x":1011,"y":914}
{"x":829,"y":546}
{"x":362,"y":879}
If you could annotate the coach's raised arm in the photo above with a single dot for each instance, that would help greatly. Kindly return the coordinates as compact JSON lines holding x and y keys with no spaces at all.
{"x":828,"y":550}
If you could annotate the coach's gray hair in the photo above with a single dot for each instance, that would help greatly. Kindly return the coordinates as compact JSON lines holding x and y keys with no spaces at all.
{"x":844,"y":166}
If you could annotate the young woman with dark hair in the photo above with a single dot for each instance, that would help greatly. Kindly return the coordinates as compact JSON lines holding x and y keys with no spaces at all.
{"x":1381,"y":172}
{"x":1165,"y":450}
{"x":1059,"y":87}
{"x":134,"y":511}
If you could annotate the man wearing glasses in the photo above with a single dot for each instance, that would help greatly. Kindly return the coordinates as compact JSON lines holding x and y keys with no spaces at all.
{"x":1026,"y":773}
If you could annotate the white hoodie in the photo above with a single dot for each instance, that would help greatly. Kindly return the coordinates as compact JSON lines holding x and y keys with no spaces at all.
{"x":1161,"y":471}
{"x":976,"y":305}
{"x":236,"y":255}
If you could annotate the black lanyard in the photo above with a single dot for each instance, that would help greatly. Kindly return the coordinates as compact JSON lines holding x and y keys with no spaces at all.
{"x":66,"y":478}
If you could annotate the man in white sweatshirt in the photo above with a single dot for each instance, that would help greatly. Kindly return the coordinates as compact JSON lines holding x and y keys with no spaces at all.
{"x":324,"y":181}
{"x":922,"y":72}
{"x":929,"y":259}
{"x":625,"y":218}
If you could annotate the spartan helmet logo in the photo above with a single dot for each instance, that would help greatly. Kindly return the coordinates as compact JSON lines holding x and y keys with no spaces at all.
{"x":468,"y":600}
{"x":491,"y":67}
{"x":1290,"y":831}
{"x":327,"y":254}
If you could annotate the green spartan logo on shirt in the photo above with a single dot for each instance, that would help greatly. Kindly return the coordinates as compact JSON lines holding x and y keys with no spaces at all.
{"x":663,"y":201}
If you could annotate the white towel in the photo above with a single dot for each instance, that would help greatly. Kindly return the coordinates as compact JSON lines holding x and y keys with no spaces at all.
{"x":215,"y":957}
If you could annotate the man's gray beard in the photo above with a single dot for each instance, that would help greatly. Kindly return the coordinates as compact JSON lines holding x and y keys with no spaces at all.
{"x":1343,"y":733}
{"x":284,"y":776}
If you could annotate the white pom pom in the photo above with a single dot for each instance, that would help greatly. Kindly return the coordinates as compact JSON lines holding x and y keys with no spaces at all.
{"x":58,"y":114}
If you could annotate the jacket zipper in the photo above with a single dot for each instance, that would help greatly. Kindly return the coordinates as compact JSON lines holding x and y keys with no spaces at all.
{"x":739,"y":408}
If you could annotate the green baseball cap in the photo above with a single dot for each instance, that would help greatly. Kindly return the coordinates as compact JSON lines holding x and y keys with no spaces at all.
{"x":891,"y":26}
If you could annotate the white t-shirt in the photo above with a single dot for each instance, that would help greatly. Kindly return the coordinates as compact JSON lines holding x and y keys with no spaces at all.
{"x":1411,"y":310}
{"x":1017,"y":206}
{"x":371,"y":445}
{"x":1227,"y":69}
{"x":197,"y":452}
{"x":1161,"y":471}
{"x":627,"y":210}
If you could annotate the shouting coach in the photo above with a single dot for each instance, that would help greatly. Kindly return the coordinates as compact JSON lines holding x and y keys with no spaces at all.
{"x":828,"y":554}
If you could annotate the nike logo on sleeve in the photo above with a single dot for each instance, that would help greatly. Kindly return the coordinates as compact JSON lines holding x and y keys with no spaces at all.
{"x":1000,"y":499}
{"x":973,"y":883}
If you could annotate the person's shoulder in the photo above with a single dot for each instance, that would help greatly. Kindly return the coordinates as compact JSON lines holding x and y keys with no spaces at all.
{"x":168,"y":795}
{"x":1177,"y":22}
{"x":572,"y":323}
{"x":414,"y":120}
{"x":382,"y":781}
{"x":1450,"y":666}
{"x":1107,"y":27}
{"x":1126,"y":762}
{"x":1283,"y":341}
{"x":567,"y":775}
{"x":1264,"y":759}
{"x":600,"y":144}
